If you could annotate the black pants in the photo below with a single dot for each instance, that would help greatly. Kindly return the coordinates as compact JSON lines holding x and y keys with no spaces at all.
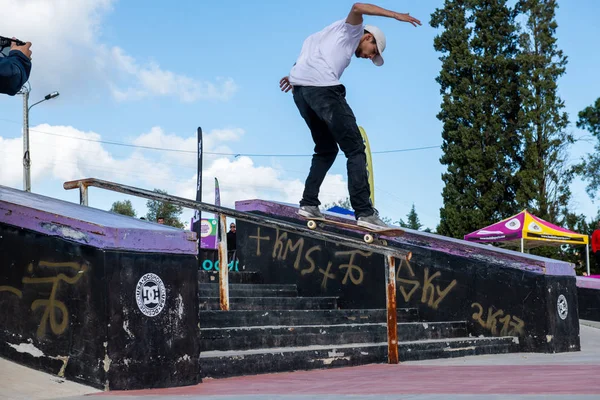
{"x":597,"y":256}
{"x":332,"y":124}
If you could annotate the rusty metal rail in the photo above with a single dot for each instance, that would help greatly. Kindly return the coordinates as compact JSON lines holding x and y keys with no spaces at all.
{"x":388,"y":253}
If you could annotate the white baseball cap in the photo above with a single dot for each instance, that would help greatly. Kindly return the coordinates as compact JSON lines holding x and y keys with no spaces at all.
{"x":380,"y":40}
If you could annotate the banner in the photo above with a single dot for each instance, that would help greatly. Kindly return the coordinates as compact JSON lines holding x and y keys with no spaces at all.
{"x":369,"y":164}
{"x":207,"y":233}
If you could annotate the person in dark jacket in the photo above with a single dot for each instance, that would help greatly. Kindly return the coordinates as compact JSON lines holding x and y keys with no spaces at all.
{"x":15,"y":68}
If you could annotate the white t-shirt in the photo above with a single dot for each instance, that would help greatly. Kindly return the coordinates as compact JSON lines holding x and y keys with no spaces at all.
{"x":326,"y":54}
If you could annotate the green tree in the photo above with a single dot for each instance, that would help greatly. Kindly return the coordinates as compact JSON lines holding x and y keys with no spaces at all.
{"x":576,"y":254}
{"x":123,"y":207}
{"x":589,"y":168}
{"x":412,"y":220}
{"x":344,"y":203}
{"x":544,"y":180}
{"x":480,"y":104}
{"x":170,"y":212}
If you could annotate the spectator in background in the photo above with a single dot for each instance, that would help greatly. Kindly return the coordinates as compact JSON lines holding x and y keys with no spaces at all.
{"x":231,"y":237}
{"x":15,"y":68}
{"x":596,"y":246}
{"x":231,"y":243}
{"x":160,"y":220}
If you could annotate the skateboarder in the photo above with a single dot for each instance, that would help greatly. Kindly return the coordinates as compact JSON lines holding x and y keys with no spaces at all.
{"x":320,"y":98}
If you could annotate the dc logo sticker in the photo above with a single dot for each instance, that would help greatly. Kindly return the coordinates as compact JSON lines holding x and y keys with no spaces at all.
{"x":150,"y":295}
{"x":562,"y":307}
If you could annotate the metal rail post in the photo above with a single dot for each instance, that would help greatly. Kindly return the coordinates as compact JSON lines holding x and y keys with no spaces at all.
{"x":223,"y":266}
{"x":392,"y":317}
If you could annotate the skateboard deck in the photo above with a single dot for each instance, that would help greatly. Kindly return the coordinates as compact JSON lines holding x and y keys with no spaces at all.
{"x":370,"y":234}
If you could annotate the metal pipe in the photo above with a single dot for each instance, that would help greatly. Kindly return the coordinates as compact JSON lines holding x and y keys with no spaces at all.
{"x":223,"y":265}
{"x":83,"y":194}
{"x":243,"y":216}
{"x":392,"y":317}
{"x":26,"y":153}
{"x":587,"y":258}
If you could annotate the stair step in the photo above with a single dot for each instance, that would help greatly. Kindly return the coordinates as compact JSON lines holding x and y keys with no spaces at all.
{"x":248,"y":290}
{"x":271,"y":303}
{"x":243,"y":318}
{"x":220,"y":364}
{"x":234,"y":277}
{"x":243,"y":338}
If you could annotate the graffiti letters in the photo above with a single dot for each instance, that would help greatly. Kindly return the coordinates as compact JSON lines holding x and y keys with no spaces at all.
{"x":511,"y":325}
{"x":347,"y":269}
{"x":258,"y":239}
{"x":55,"y":312}
{"x":352,"y":270}
{"x":408,"y":284}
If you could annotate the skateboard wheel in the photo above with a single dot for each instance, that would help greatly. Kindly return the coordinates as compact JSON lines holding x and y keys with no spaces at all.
{"x":311,"y":224}
{"x":368,"y":238}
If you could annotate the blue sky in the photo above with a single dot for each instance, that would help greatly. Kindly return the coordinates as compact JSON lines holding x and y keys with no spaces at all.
{"x":149,"y":73}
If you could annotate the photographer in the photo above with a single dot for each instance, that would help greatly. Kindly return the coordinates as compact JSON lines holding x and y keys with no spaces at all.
{"x":15,"y":68}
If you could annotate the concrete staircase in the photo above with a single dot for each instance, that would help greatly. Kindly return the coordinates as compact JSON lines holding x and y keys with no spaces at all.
{"x":270,"y":329}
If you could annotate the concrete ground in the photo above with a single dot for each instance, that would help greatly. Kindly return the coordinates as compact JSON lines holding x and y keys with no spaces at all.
{"x":515,"y":376}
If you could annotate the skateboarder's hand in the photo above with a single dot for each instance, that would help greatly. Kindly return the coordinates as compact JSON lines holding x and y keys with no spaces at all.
{"x":405,"y":17}
{"x":285,"y":84}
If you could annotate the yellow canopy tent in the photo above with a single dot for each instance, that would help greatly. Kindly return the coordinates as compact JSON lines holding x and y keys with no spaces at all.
{"x":527,"y":231}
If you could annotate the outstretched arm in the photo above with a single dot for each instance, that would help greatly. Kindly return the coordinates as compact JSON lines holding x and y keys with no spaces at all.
{"x":355,"y":16}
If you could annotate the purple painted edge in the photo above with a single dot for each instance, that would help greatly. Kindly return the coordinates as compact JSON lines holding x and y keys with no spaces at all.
{"x":134,"y":239}
{"x":508,"y":258}
{"x":588,"y":283}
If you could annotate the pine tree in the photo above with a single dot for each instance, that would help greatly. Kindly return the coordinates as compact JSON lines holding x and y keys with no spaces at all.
{"x":544,"y":180}
{"x":412,"y":220}
{"x":589,"y":168}
{"x":123,"y":208}
{"x":479,"y":85}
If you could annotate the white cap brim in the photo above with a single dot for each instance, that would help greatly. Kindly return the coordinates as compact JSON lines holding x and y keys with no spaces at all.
{"x":378,"y":60}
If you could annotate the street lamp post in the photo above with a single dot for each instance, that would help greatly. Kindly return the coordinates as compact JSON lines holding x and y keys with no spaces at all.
{"x":26,"y":154}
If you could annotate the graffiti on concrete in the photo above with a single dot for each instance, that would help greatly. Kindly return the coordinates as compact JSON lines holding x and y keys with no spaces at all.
{"x":409,"y":284}
{"x":343,"y":265}
{"x":511,"y":324}
{"x":55,"y":312}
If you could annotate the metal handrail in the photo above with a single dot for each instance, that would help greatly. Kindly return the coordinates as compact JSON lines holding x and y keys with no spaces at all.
{"x":223,"y":212}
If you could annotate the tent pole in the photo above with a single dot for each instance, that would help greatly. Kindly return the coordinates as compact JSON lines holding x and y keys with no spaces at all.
{"x":587,"y":258}
{"x":522,"y":245}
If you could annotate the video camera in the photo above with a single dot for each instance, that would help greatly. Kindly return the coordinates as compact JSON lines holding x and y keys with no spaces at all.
{"x":6,"y":43}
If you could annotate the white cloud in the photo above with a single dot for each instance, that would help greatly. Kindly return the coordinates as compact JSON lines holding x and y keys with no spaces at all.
{"x":152,"y":80}
{"x":56,"y":155}
{"x":69,"y":55}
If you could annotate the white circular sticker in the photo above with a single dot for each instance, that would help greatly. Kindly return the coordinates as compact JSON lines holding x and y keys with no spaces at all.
{"x":534,"y":227}
{"x":562,"y":307}
{"x":150,"y":294}
{"x":513,"y":224}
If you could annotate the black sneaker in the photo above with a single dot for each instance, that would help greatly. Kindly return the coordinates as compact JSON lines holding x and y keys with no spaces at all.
{"x":372,"y":222}
{"x":311,"y":212}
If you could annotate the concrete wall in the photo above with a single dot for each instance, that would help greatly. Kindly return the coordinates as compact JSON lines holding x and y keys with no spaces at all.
{"x":91,"y":304}
{"x":497,"y":292}
{"x":588,"y":295}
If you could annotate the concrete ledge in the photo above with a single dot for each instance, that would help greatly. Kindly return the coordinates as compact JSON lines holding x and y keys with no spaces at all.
{"x":90,"y":226}
{"x":507,"y":258}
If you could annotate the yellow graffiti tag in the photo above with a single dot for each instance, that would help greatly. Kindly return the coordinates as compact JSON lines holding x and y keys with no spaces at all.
{"x":51,"y":305}
{"x":511,"y":325}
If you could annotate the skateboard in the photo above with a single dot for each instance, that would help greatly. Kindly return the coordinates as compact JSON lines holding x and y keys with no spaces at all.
{"x":370,"y":234}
